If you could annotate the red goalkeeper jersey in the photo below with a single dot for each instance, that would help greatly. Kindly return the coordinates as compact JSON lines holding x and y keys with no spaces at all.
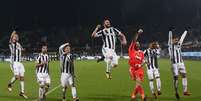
{"x":136,"y":57}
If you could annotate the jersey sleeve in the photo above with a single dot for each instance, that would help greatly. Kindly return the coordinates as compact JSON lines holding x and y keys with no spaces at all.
{"x":20,"y":46}
{"x":170,"y":38}
{"x":117,"y":32}
{"x":145,"y":56}
{"x":99,"y":33}
{"x":72,"y":57}
{"x":131,"y":47}
{"x":61,"y":49}
{"x":170,"y":52}
{"x":182,"y":38}
{"x":145,"y":53}
{"x":38,"y":60}
{"x":157,"y":52}
{"x":11,"y":48}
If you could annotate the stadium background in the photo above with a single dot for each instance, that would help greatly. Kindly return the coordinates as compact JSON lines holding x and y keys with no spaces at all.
{"x":55,"y":22}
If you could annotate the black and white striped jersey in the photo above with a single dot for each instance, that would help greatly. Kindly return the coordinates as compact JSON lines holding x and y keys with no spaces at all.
{"x":44,"y":68}
{"x":16,"y":52}
{"x":109,"y":37}
{"x":151,"y":57}
{"x":175,"y":49}
{"x":66,"y":61}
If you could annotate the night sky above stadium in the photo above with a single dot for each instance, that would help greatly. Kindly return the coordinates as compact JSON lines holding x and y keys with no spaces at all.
{"x":48,"y":13}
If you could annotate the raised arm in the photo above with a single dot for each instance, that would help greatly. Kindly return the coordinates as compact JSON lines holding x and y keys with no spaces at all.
{"x":121,"y":35}
{"x":140,"y":31}
{"x":123,"y":39}
{"x":132,"y":45}
{"x":11,"y":48}
{"x":170,"y":38}
{"x":182,"y":37}
{"x":61,"y":52}
{"x":95,"y":32}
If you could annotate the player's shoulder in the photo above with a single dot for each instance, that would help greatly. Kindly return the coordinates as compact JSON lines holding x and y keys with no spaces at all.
{"x":71,"y":54}
{"x":115,"y":29}
{"x":146,"y":49}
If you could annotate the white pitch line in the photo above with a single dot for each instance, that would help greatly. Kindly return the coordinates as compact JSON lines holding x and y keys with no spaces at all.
{"x":52,"y":90}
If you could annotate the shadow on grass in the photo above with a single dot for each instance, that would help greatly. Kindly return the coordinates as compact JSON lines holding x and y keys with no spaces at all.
{"x":16,"y":98}
{"x":106,"y":98}
{"x":127,"y":98}
{"x":194,"y":98}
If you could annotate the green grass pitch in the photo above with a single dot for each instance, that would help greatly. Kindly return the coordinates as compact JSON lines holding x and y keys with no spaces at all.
{"x":93,"y":86}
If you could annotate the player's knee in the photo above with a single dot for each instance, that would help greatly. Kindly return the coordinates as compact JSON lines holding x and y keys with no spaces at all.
{"x":138,"y":82}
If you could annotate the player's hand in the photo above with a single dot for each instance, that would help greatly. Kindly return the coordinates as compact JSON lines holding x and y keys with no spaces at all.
{"x":140,"y":31}
{"x":98,"y":26}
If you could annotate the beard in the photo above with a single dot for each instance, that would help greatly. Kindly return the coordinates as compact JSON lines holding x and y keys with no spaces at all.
{"x":107,"y":26}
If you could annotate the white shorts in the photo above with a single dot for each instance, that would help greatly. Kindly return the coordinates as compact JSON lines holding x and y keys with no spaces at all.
{"x":178,"y":68}
{"x":43,"y":78}
{"x":153,"y":73}
{"x":18,"y":69}
{"x":110,"y":56}
{"x":66,"y":80}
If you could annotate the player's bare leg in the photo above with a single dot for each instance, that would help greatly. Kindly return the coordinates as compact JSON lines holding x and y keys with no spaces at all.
{"x":135,"y":91}
{"x":46,"y":88}
{"x":151,"y":84}
{"x":158,"y":84}
{"x":74,"y":93}
{"x":64,"y":93}
{"x":13,"y":79}
{"x":108,"y":70}
{"x":22,"y":88}
{"x":176,"y":87}
{"x":41,"y":91}
{"x":138,"y":89}
{"x":185,"y":85}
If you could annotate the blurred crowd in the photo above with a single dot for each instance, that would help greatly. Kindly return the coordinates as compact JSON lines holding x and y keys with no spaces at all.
{"x":83,"y":44}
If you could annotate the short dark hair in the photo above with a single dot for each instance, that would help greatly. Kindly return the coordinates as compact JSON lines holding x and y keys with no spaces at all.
{"x":43,"y":44}
{"x":106,"y":18}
